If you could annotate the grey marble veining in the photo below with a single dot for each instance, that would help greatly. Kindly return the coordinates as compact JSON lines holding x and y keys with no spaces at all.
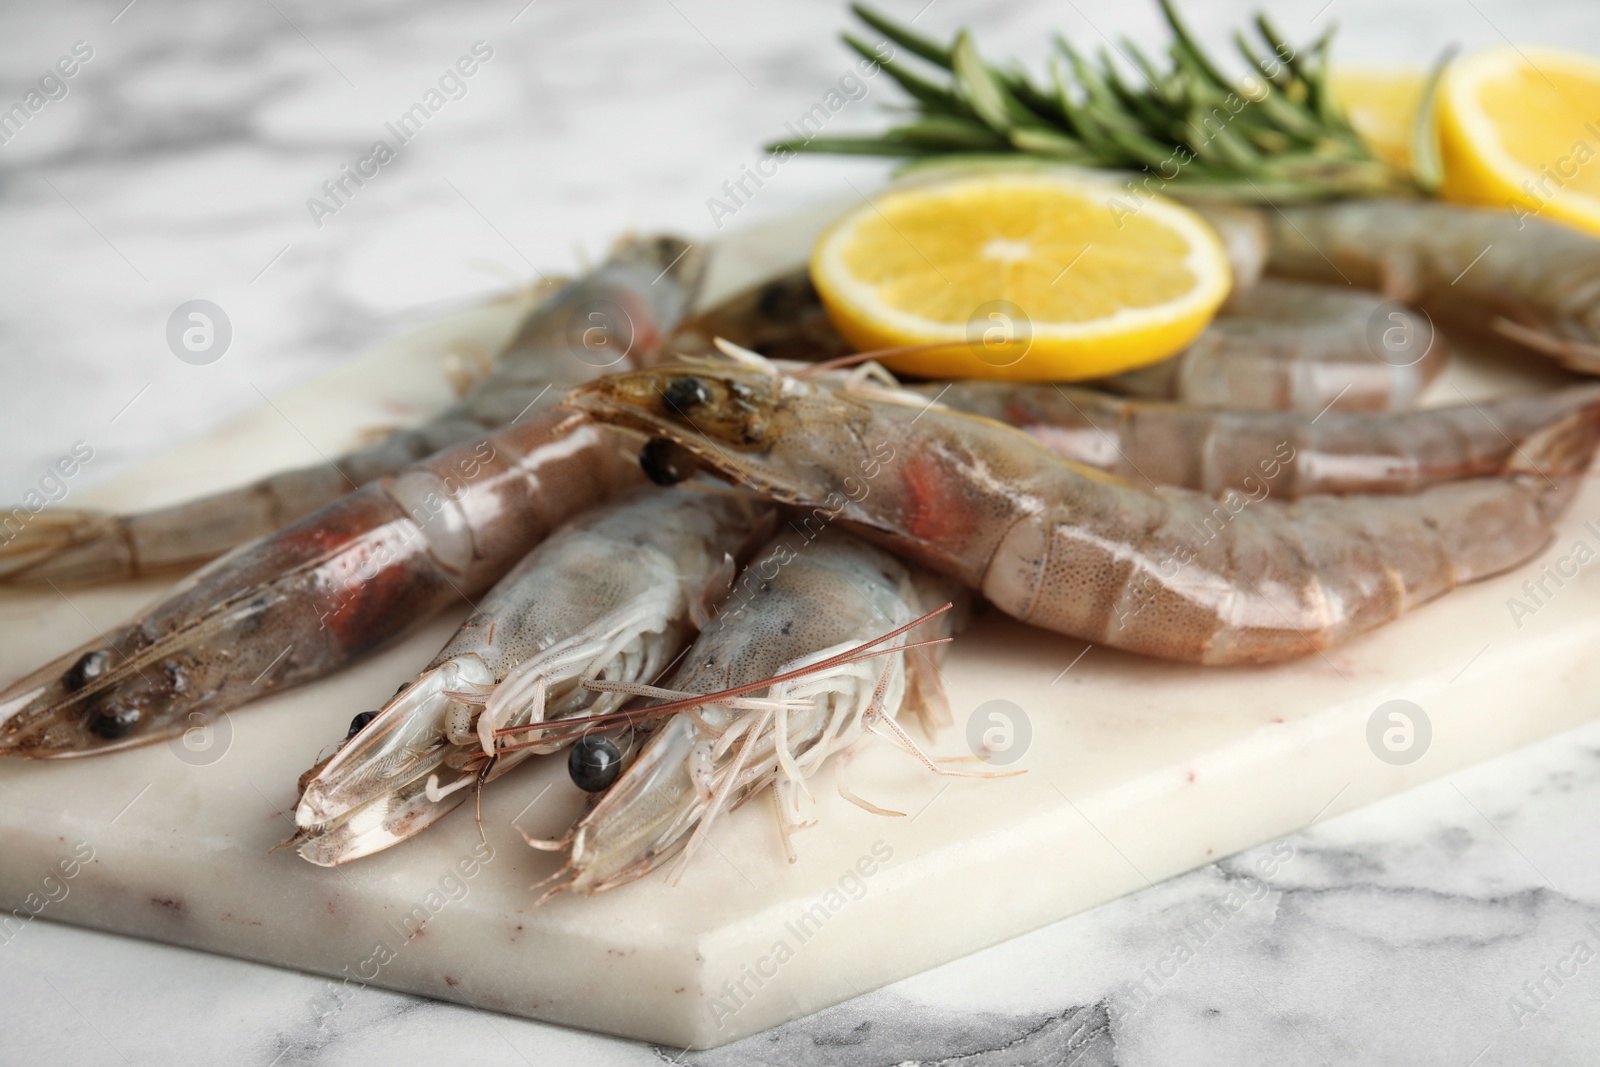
{"x":1441,"y":926}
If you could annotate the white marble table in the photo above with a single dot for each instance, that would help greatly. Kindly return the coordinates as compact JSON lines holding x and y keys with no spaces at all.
{"x":1437,"y":927}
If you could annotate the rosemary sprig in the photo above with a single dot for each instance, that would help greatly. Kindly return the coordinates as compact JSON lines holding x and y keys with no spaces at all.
{"x":1276,"y":133}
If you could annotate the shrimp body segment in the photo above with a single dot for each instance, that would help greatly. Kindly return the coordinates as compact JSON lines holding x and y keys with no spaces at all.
{"x":781,"y":318}
{"x":811,"y":600}
{"x":319,"y":593}
{"x":1534,"y":281}
{"x":1215,"y":449}
{"x":1276,"y":346}
{"x":1166,"y":572}
{"x":612,"y":596}
{"x":1295,"y":346}
{"x":615,"y":318}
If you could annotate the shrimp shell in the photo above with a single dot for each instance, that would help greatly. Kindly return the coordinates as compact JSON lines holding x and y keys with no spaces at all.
{"x":1214,"y":450}
{"x":1534,"y":281}
{"x":1165,"y":572}
{"x":648,"y":282}
{"x":1293,"y":346}
{"x":781,"y":318}
{"x":610,"y":596}
{"x":1276,"y":346}
{"x":305,"y":601}
{"x":812,"y":598}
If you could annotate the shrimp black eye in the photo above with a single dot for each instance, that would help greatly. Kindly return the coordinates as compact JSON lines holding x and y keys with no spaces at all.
{"x":113,"y":720}
{"x":594,"y":763}
{"x":89,"y":667}
{"x":665,"y":462}
{"x":681,"y":394}
{"x":358,"y":723}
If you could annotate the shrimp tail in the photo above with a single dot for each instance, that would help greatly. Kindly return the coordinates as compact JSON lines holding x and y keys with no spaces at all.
{"x":1561,"y":449}
{"x":642,"y":290}
{"x":64,"y":544}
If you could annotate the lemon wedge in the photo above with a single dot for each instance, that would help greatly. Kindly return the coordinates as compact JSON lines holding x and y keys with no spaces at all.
{"x":1023,"y":276}
{"x":1519,"y":129}
{"x":1381,"y":105}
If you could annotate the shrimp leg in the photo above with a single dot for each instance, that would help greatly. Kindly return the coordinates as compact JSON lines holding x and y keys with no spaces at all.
{"x":802,"y":603}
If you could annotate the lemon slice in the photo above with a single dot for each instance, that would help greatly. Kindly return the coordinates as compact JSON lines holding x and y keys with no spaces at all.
{"x":1519,"y":128}
{"x":1381,"y":104}
{"x":1025,"y":276}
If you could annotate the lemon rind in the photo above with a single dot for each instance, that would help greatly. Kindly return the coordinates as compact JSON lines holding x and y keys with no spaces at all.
{"x":1205,"y":259}
{"x":1461,"y":88}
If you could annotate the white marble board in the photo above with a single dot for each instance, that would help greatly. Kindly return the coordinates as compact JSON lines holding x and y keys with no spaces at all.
{"x":1136,"y":770}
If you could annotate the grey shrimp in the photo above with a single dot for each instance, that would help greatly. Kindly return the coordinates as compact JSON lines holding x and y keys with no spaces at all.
{"x":303,"y":602}
{"x":1215,"y":449}
{"x":1535,"y":282}
{"x":816,"y":602}
{"x":1166,"y":572}
{"x":615,"y":596}
{"x":615,"y":318}
{"x":1294,"y":346}
{"x":1276,"y":346}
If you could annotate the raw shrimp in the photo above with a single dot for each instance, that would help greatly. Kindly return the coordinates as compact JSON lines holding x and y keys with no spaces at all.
{"x":1276,"y":346}
{"x":1244,"y":236}
{"x":1533,"y":281}
{"x":782,"y":318}
{"x":614,"y":595}
{"x":1291,"y":346}
{"x":303,"y":602}
{"x":1150,"y":442}
{"x":617,"y":317}
{"x":814,"y":600}
{"x":1166,"y":572}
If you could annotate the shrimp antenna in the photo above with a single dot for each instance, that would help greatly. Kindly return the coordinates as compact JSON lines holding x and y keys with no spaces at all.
{"x":581,"y":725}
{"x":813,"y":369}
{"x":746,"y":356}
{"x":866,"y":650}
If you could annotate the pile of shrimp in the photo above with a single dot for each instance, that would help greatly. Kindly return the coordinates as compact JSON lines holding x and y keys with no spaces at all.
{"x":712,"y":553}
